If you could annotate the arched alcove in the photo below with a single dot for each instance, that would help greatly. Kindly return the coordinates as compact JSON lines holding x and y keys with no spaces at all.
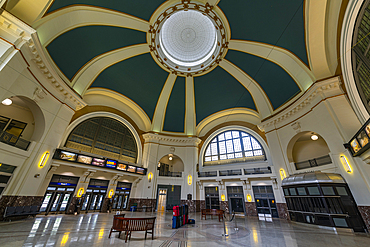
{"x":23,"y":119}
{"x":303,"y":148}
{"x":174,"y":165}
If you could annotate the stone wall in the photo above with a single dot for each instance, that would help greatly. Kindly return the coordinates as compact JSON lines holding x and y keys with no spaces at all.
{"x":224,"y":205}
{"x":142,"y":202}
{"x":250,"y":209}
{"x":365,"y":213}
{"x":282,"y":211}
{"x":14,"y":201}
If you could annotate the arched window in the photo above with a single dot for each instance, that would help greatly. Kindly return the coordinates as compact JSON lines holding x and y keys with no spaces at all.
{"x":104,"y":136}
{"x":233,"y":145}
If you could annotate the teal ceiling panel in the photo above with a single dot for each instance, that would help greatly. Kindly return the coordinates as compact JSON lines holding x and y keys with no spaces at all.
{"x":73,"y":49}
{"x":278,"y":22}
{"x":275,"y":81}
{"x":139,"y":8}
{"x":175,"y":112}
{"x":138,"y":78}
{"x":217,"y":91}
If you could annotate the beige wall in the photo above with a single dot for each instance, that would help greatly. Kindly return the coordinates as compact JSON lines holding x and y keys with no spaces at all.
{"x":305,"y":150}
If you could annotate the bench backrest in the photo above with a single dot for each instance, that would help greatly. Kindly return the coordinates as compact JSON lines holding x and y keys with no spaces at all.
{"x":215,"y":211}
{"x":117,"y":222}
{"x":138,"y":224}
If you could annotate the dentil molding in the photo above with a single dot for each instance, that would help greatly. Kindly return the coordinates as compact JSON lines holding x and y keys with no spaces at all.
{"x":18,"y":33}
{"x":319,"y":90}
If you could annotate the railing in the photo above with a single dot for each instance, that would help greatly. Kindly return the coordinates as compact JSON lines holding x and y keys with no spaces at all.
{"x":324,"y":160}
{"x":207,"y":174}
{"x":171,"y":174}
{"x":261,"y":170}
{"x":230,"y":172}
{"x":13,"y":140}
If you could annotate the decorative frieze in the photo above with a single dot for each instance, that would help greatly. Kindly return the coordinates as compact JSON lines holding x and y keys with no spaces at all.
{"x":317,"y":92}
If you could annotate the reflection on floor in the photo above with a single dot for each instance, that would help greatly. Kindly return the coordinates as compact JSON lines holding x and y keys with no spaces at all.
{"x":93,"y":229}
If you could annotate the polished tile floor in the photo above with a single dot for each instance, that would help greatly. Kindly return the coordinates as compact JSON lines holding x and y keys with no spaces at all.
{"x":93,"y":229}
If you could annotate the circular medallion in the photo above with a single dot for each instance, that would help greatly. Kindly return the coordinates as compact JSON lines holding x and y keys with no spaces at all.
{"x":188,"y":39}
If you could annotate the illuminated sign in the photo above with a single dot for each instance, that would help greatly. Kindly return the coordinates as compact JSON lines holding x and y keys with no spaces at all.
{"x":111,"y":164}
{"x":67,"y":156}
{"x":122,"y":167}
{"x":84,"y":159}
{"x":360,"y":142}
{"x":140,"y":170}
{"x":98,"y":162}
{"x":131,"y":169}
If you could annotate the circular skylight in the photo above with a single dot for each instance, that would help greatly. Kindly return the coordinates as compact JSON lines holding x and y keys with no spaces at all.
{"x":188,"y":38}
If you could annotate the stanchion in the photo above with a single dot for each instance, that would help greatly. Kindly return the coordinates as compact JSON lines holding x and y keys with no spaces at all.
{"x":236,"y":226}
{"x":225,"y":233}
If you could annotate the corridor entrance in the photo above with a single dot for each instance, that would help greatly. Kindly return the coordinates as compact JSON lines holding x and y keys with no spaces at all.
{"x":265,"y":200}
{"x":58,"y":194}
{"x":121,"y":197}
{"x":95,"y":194}
{"x":212,"y":198}
{"x":236,"y":199}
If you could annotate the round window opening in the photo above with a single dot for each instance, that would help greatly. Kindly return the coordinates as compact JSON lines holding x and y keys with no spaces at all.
{"x":188,"y":39}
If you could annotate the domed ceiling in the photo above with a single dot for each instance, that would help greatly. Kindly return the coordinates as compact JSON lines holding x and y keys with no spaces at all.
{"x":260,"y":65}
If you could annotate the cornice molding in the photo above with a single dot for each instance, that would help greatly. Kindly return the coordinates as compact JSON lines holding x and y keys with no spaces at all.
{"x":21,"y":35}
{"x":156,"y":138}
{"x":70,"y":97}
{"x":322,"y":89}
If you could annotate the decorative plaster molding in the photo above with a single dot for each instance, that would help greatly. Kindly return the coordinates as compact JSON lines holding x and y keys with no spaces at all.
{"x":39,"y":58}
{"x":317,"y":90}
{"x":200,"y":185}
{"x":297,"y":127}
{"x":150,"y":137}
{"x":18,"y":33}
{"x":246,"y":183}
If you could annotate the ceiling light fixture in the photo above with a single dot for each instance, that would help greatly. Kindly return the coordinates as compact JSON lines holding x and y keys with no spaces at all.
{"x":314,"y":137}
{"x":7,"y":101}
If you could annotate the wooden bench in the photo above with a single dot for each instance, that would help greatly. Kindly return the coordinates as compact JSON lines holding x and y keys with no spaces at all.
{"x":211,"y":212}
{"x":117,"y":224}
{"x":127,"y":225}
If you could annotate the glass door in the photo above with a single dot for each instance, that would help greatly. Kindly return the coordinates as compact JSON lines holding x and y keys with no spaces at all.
{"x":94,"y":198}
{"x":45,"y":202}
{"x":56,"y":202}
{"x":125,"y":203}
{"x":99,"y":202}
{"x":86,"y":201}
{"x":115,"y":202}
{"x":65,"y":201}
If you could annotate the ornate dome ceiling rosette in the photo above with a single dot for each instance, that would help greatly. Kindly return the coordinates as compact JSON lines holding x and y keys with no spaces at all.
{"x":188,"y":38}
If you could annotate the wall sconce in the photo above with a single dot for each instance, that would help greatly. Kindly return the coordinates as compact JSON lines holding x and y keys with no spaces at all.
{"x":44,"y":159}
{"x":223,"y":198}
{"x":249,"y":197}
{"x":110,"y":193}
{"x":190,"y":180}
{"x":346,"y":164}
{"x":150,"y":176}
{"x":170,"y":156}
{"x":282,"y":173}
{"x":80,"y":192}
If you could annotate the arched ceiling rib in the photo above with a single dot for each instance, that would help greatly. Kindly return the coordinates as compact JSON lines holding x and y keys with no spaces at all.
{"x":284,"y":58}
{"x":260,"y":98}
{"x":277,"y":49}
{"x":55,"y":24}
{"x":160,"y":109}
{"x":86,"y":76}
